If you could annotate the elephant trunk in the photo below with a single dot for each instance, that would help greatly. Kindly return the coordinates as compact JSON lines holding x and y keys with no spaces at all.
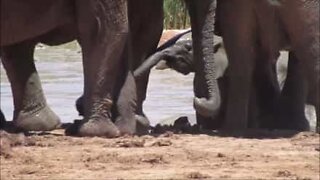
{"x":148,"y":64}
{"x":158,"y":54}
{"x":208,"y":100}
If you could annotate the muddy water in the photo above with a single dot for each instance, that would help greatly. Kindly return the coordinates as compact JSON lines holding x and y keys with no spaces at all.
{"x":169,"y":94}
{"x":60,"y":68}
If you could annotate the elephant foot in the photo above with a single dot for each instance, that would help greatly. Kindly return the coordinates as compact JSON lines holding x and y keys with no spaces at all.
{"x":98,"y":127}
{"x":42,"y":120}
{"x":73,"y":129}
{"x":126,"y":126}
{"x":292,"y":123}
{"x":143,"y":124}
{"x":140,"y":125}
{"x":208,"y":123}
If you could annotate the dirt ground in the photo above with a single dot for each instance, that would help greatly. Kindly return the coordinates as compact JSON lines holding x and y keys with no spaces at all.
{"x":255,"y":155}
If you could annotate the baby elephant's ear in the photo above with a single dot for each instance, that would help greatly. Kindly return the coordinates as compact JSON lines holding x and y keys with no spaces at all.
{"x":162,"y":65}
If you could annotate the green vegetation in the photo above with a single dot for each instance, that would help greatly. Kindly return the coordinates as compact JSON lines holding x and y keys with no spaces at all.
{"x":176,"y":14}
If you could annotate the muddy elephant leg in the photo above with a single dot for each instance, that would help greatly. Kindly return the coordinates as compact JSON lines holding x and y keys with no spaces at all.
{"x":143,"y":122}
{"x":291,"y":113}
{"x":126,"y":106}
{"x":240,"y":44}
{"x":305,"y":42}
{"x":207,"y":100}
{"x":146,"y":26}
{"x":103,"y":36}
{"x":239,"y":89}
{"x":267,"y":88}
{"x":31,"y":112}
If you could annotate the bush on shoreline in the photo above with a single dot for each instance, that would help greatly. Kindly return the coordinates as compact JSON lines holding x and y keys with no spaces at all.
{"x":176,"y":14}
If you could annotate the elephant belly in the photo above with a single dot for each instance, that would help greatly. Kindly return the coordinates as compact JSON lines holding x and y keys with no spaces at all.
{"x":22,"y":20}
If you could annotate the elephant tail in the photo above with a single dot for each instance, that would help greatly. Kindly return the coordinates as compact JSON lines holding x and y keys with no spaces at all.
{"x":158,"y":55}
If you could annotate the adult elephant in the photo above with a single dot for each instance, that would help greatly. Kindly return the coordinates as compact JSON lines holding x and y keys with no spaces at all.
{"x":202,"y":17}
{"x":178,"y":55}
{"x":145,"y":30}
{"x":148,"y":28}
{"x":101,"y":28}
{"x":146,"y":25}
{"x":264,"y":27}
{"x":207,"y":99}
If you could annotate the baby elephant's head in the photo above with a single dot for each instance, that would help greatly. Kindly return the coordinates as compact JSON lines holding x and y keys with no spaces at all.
{"x":178,"y":57}
{"x":177,"y":54}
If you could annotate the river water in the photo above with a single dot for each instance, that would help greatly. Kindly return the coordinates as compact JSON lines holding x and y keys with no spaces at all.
{"x":60,"y":68}
{"x":169,"y":95}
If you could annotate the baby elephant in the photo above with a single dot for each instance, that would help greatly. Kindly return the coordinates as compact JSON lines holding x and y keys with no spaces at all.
{"x":179,"y":57}
{"x":177,"y":54}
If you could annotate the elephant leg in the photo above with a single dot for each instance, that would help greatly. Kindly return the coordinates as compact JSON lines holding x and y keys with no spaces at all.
{"x":103,"y":34}
{"x":291,"y":113}
{"x":238,"y":27}
{"x":305,"y":50}
{"x":146,"y":27}
{"x":2,"y":120}
{"x":31,"y":112}
{"x":267,"y":88}
{"x":126,"y":106}
{"x":143,"y":122}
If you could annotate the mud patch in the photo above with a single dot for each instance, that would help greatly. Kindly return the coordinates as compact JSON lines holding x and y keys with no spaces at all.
{"x":197,"y":175}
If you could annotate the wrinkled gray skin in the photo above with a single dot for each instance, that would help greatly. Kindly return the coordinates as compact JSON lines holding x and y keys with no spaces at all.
{"x":146,"y":31}
{"x":101,"y":28}
{"x":179,"y":57}
{"x":242,"y":58}
{"x":250,"y":28}
{"x":146,"y":25}
{"x":205,"y":82}
{"x":241,"y":25}
{"x":206,"y":90}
